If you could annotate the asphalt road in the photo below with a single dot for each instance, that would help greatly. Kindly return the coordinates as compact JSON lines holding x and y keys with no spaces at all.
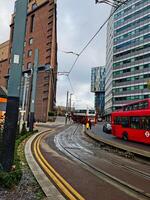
{"x":80,"y":161}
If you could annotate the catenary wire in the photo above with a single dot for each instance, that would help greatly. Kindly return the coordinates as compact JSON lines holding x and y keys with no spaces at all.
{"x":89,"y":42}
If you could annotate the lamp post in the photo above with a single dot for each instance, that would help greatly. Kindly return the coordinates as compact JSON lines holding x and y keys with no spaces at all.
{"x":66,"y":114}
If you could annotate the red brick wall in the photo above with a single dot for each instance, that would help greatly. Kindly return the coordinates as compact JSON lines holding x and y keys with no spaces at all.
{"x":3,"y":72}
{"x":44,"y":38}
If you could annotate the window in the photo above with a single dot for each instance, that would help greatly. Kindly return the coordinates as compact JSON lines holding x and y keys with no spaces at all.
{"x":145,"y":123}
{"x":117,"y":120}
{"x":135,"y":122}
{"x":30,"y":41}
{"x":125,"y":122}
{"x":29,"y":65}
{"x":29,"y":53}
{"x":32,"y":23}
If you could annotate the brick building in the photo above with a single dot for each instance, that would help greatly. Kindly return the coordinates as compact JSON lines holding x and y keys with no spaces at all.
{"x":4,"y":48}
{"x":41,"y":33}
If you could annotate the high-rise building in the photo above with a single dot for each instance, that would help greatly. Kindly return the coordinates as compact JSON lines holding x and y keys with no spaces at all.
{"x":98,"y":87}
{"x":129,"y":60}
{"x":41,"y":34}
{"x":109,"y":68}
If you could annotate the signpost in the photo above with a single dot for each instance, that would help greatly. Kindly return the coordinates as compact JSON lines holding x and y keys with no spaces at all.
{"x":14,"y":83}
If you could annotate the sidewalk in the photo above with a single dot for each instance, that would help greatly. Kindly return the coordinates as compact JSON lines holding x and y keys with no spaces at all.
{"x":47,"y":186}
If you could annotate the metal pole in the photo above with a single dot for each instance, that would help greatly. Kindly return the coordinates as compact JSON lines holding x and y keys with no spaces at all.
{"x":14,"y":82}
{"x":66,"y":115}
{"x":33,"y":94}
{"x":22,"y":112}
{"x":70,"y":100}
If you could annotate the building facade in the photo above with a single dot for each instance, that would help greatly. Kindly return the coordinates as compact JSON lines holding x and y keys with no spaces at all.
{"x":98,"y":87}
{"x":41,"y":33}
{"x":4,"y":49}
{"x":130,"y":67}
{"x":109,"y":68}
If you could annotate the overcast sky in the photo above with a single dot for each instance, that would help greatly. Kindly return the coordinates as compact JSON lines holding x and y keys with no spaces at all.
{"x":77,"y":21}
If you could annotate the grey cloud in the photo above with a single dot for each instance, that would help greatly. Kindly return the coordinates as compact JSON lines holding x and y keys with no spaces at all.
{"x":77,"y":22}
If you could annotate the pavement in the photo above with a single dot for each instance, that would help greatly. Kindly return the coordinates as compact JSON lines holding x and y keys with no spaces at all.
{"x":137,"y":148}
{"x":47,"y":186}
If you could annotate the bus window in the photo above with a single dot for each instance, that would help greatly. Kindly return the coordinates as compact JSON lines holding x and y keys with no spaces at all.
{"x":145,"y":105}
{"x":135,"y":106}
{"x":141,"y":105}
{"x":145,"y":123}
{"x":117,"y":120}
{"x":135,"y":122}
{"x":125,"y":122}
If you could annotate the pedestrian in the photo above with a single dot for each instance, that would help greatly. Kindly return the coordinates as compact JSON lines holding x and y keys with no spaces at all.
{"x":87,"y":125}
{"x":90,"y":123}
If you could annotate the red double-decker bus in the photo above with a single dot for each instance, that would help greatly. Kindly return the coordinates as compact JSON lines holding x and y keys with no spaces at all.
{"x":132,"y":122}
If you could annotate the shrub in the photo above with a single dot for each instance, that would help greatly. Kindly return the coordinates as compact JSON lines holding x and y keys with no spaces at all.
{"x":9,"y":179}
{"x":51,"y":114}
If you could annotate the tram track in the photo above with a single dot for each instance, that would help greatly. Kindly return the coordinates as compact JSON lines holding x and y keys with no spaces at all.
{"x":129,"y":168}
{"x":120,"y":184}
{"x":78,"y":139}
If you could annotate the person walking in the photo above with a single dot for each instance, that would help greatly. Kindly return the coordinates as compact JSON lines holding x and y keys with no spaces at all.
{"x":87,"y":125}
{"x":90,"y":123}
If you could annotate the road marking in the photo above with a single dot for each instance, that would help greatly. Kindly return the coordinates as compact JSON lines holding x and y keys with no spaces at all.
{"x":65,"y":187}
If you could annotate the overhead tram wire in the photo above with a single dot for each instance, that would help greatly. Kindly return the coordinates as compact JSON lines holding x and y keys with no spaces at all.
{"x":70,"y":84}
{"x":89,"y":42}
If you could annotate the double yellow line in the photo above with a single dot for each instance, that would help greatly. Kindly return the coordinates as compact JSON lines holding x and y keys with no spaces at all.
{"x":64,"y":186}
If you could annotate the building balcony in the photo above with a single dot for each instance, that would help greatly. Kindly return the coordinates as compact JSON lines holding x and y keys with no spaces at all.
{"x":131,"y":37}
{"x":132,"y":73}
{"x":133,"y":18}
{"x":129,"y":92}
{"x":134,"y":45}
{"x":147,"y":21}
{"x":138,"y":62}
{"x":128,"y":83}
{"x":133,"y":54}
{"x":129,"y":12}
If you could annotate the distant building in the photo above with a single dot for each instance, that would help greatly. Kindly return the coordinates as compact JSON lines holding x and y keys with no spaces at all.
{"x":98,"y":87}
{"x":41,"y":33}
{"x":128,"y":55}
{"x":4,"y":49}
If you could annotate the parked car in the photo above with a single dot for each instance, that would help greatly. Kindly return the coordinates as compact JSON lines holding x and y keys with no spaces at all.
{"x":100,"y":119}
{"x":107,"y":127}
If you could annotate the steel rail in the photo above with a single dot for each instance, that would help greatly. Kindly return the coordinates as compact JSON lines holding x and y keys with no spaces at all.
{"x":133,"y":170}
{"x":121,"y":185}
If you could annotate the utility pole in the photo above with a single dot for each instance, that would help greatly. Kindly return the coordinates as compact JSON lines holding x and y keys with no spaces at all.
{"x":70,"y":101}
{"x":66,"y":115}
{"x":14,"y":82}
{"x":33,"y":94}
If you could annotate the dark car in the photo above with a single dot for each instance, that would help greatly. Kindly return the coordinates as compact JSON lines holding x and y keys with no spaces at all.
{"x":107,"y":128}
